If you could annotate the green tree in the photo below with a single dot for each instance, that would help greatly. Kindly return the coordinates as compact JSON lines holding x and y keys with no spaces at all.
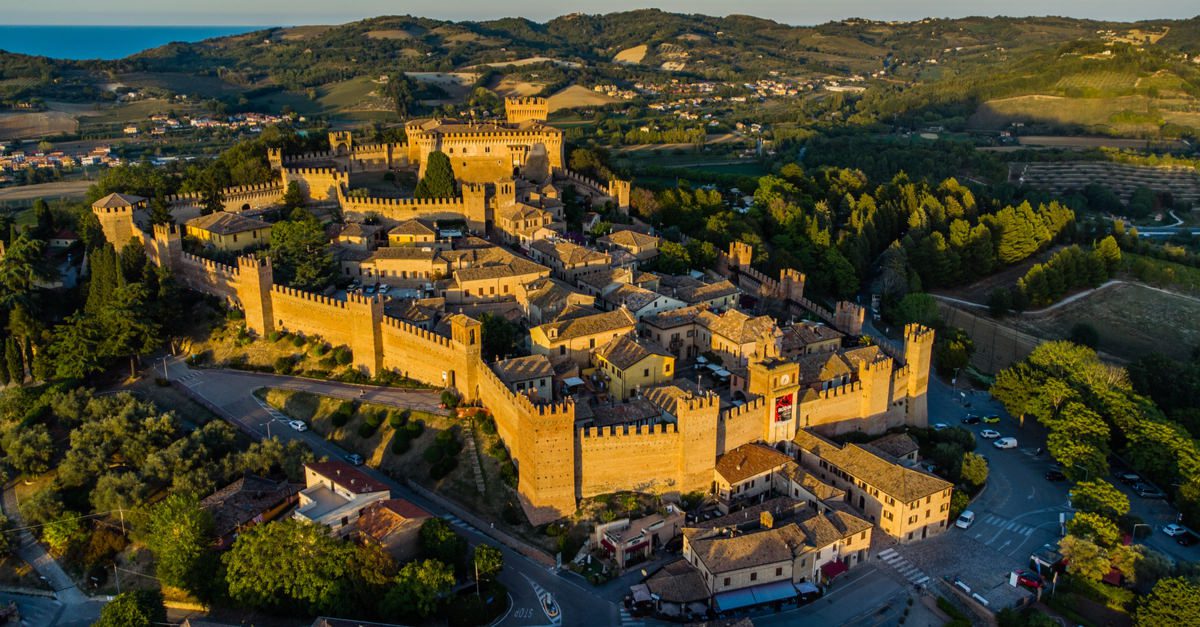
{"x":28,"y":449}
{"x":14,"y":361}
{"x":1174,"y":601}
{"x":137,"y":608}
{"x":179,"y":533}
{"x":63,"y":533}
{"x":324,"y":574}
{"x":672,"y":258}
{"x":499,"y":336}
{"x":439,"y":542}
{"x":160,"y":212}
{"x":1099,"y":497}
{"x":487,"y":560}
{"x":438,"y":181}
{"x":974,"y":469}
{"x":1094,"y":528}
{"x":127,"y":326}
{"x":300,"y":254}
{"x":1085,"y":558}
{"x":1110,"y":252}
{"x":417,"y":588}
{"x":919,"y":308}
{"x":293,"y":197}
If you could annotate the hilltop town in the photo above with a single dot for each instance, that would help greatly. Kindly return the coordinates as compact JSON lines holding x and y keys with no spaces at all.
{"x":503,"y":323}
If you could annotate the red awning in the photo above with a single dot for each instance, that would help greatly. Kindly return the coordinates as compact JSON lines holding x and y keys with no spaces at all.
{"x":833,"y":569}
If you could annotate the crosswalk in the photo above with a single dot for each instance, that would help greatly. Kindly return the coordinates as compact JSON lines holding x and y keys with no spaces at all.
{"x":1005,"y":524}
{"x":906,"y":568}
{"x":628,"y":620}
{"x":190,"y":379}
{"x":458,"y":522}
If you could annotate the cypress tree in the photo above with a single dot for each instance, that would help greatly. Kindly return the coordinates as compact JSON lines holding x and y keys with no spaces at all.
{"x":438,"y":181}
{"x":12,"y":359}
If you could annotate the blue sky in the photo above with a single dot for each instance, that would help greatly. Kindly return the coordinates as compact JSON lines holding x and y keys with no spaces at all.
{"x":287,"y":12}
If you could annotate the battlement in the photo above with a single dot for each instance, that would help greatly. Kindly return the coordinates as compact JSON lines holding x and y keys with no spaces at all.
{"x":250,"y":261}
{"x":164,"y":231}
{"x":112,"y":210}
{"x":526,"y":100}
{"x":917,"y":333}
{"x":412,"y":203}
{"x":647,"y":432}
{"x":518,"y":110}
{"x":317,"y":155}
{"x":751,"y":407}
{"x":700,"y":403}
{"x":854,"y":387}
{"x":354,"y":298}
{"x":311,"y":171}
{"x":210,"y":265}
{"x":307,"y":296}
{"x":597,"y":186}
{"x":428,"y":336}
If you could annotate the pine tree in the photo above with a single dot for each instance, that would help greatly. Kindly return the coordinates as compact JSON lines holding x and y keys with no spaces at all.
{"x":438,"y":181}
{"x":104,"y":278}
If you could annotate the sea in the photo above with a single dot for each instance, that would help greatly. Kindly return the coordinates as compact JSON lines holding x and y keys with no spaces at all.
{"x":104,"y":42}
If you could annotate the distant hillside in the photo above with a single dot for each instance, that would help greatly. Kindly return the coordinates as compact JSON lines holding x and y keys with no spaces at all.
{"x":926,"y":70}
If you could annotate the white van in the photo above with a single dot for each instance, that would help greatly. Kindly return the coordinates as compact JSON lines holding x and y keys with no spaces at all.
{"x":965,"y":519}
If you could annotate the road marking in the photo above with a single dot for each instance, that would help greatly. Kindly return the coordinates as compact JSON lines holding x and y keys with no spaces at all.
{"x":1006,"y":543}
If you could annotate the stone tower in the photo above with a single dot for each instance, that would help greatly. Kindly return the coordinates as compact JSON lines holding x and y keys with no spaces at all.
{"x":165,"y":248}
{"x":275,"y":158}
{"x":741,"y":254}
{"x":365,"y":315}
{"x":475,"y":206}
{"x":115,"y":213}
{"x":547,"y":468}
{"x":696,"y":419}
{"x":467,"y":332}
{"x":918,"y":358}
{"x":341,"y":142}
{"x":791,"y":283}
{"x":519,"y":110}
{"x":778,"y":382}
{"x":253,"y":287}
{"x":620,"y":191}
{"x":848,"y":317}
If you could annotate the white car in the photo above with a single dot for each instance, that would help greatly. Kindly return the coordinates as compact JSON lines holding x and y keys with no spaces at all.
{"x":989,"y":434}
{"x":1005,"y":443}
{"x":940,"y":426}
{"x":965,"y":519}
{"x":298,"y":425}
{"x":1174,"y":530}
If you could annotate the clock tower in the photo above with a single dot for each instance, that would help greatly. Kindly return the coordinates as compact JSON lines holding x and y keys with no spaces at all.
{"x":778,"y":382}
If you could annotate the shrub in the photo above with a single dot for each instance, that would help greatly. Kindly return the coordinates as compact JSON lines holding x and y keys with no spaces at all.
{"x":284,"y":365}
{"x":374,"y":417}
{"x":450,"y":398}
{"x":400,"y":444}
{"x":297,"y":340}
{"x":327,"y":362}
{"x":415,"y":428}
{"x":487,"y":424}
{"x":508,"y":474}
{"x":366,"y":430}
{"x":319,"y":349}
{"x":274,"y":336}
{"x":342,"y":415}
{"x":398,"y":419}
{"x":343,"y":356}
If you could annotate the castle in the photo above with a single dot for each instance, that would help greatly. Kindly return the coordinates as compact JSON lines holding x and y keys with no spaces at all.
{"x":559,"y":461}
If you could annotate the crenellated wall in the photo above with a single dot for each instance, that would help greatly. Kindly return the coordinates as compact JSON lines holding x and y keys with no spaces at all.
{"x":645,"y":459}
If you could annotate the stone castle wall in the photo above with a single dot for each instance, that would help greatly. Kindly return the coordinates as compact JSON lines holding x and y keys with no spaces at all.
{"x":557,"y":463}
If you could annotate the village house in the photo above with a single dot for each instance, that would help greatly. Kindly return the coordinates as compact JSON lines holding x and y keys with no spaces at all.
{"x":229,"y":232}
{"x":541,"y":300}
{"x":336,"y":493}
{"x":642,"y":246}
{"x":574,"y":339}
{"x":904,"y":503}
{"x":638,"y":300}
{"x":806,"y":338}
{"x":361,"y":236}
{"x":716,"y":296}
{"x":630,"y":365}
{"x":532,"y":375}
{"x":567,"y":260}
{"x":520,"y":224}
{"x":393,"y":525}
{"x":411,"y":233}
{"x":628,"y":542}
{"x":249,"y":501}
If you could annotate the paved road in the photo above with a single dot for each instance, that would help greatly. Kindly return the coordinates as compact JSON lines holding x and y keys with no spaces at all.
{"x":528,"y":581}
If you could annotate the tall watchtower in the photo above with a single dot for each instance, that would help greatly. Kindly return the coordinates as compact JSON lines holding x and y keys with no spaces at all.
{"x":519,"y":110}
{"x":341,"y":142}
{"x":254,"y":280}
{"x":115,"y":213}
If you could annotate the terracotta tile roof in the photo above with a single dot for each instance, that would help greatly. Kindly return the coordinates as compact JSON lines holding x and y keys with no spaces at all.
{"x":674,"y":317}
{"x":404,"y":252}
{"x":678,"y":582}
{"x":749,"y":460}
{"x":631,"y":296}
{"x":624,"y":351}
{"x":670,"y":395}
{"x":630,"y":239}
{"x":114,"y":201}
{"x":347,"y":476}
{"x":802,"y":334}
{"x":903,"y":484}
{"x":523,"y":368}
{"x":635,"y":410}
{"x":241,"y":501}
{"x":721,"y":553}
{"x":602,"y":278}
{"x":818,"y":367}
{"x":568,"y":254}
{"x":825,"y":529}
{"x":562,"y":330}
{"x":738,"y":327}
{"x":693,"y":291}
{"x":357,"y":229}
{"x":895,"y":445}
{"x":224,"y":223}
{"x":383,"y":518}
{"x":823,"y":491}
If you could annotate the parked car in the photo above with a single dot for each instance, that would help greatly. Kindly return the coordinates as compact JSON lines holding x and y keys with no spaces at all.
{"x":971,"y":419}
{"x":370,"y":290}
{"x":1147,"y":491}
{"x":965,"y":519}
{"x":1055,"y":475}
{"x":989,"y":434}
{"x":298,"y":425}
{"x":1187,"y":538}
{"x":992,"y":420}
{"x":1005,"y":443}
{"x":1174,"y":530}
{"x":383,"y":289}
{"x":1030,"y":579}
{"x":1129,"y":478}
{"x":354,"y":459}
{"x":941,"y":426}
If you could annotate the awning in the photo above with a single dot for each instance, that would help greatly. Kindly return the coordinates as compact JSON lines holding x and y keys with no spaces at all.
{"x":805,"y":587}
{"x":766,"y":593}
{"x":834,"y":568}
{"x":641,"y":593}
{"x":573,"y":381}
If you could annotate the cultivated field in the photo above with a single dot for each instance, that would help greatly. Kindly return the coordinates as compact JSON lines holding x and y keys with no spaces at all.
{"x":34,"y":125}
{"x":631,"y":55}
{"x":1083,"y":142}
{"x":578,"y":96}
{"x":389,"y":34}
{"x":60,"y":189}
{"x":1132,"y":319}
{"x":511,"y":87}
{"x":1124,"y":114}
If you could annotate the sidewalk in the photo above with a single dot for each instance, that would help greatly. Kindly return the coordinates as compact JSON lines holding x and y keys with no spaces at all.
{"x":28,"y":549}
